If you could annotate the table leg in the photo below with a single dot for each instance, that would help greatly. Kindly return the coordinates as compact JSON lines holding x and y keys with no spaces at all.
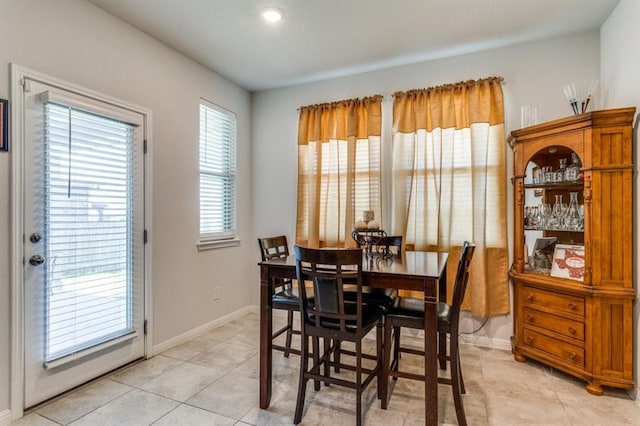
{"x":266,"y":330}
{"x":430,"y":357}
{"x":442,"y":337}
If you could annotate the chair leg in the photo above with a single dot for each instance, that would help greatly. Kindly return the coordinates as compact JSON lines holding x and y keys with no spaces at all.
{"x":456,"y":380}
{"x":462,"y":389}
{"x":379,"y":358}
{"x":442,"y":350}
{"x":336,"y":357}
{"x":302,"y":380}
{"x":316,"y":358}
{"x":327,"y":363}
{"x":396,"y":350}
{"x":289,"y":333}
{"x":386,"y":362}
{"x":358,"y":382}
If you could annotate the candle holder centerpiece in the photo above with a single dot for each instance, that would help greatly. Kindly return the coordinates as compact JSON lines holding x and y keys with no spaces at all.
{"x":367,"y":234}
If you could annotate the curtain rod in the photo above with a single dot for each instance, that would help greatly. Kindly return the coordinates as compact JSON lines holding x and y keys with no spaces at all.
{"x":442,"y":86}
{"x":341,"y":101}
{"x":452,"y":85}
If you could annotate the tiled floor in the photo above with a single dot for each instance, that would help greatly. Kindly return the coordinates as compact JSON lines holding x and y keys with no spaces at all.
{"x":213,"y":380}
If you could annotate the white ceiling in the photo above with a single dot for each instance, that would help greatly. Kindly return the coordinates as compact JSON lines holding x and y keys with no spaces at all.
{"x":320,"y":39}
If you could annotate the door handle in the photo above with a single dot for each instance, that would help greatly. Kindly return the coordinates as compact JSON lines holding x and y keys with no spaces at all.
{"x":36,"y":260}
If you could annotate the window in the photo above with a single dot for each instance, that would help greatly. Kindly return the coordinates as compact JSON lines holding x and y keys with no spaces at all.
{"x":217,"y":173}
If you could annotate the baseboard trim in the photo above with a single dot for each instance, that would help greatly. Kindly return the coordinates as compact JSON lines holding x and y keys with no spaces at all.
{"x":5,"y":418}
{"x":193,"y":333}
{"x":471,"y":339}
{"x":487,"y":342}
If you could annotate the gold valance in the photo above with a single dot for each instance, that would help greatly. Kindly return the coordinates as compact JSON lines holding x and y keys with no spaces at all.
{"x":358,"y":118}
{"x":456,"y":105}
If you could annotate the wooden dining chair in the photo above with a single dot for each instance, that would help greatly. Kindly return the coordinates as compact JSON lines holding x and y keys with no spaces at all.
{"x":390,"y":243}
{"x":409,"y":312}
{"x":284,"y":296}
{"x":383,"y":297}
{"x":334,"y":318}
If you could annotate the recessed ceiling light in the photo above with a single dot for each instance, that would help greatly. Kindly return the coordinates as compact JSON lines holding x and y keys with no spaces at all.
{"x":272,"y":14}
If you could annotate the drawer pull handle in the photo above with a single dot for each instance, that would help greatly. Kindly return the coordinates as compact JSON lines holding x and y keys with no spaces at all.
{"x":572,"y":331}
{"x":573,"y":355}
{"x":530,"y":340}
{"x":530,"y":297}
{"x":530,"y":318}
{"x":572,"y":306}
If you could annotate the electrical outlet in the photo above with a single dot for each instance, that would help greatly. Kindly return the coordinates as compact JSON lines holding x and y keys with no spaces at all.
{"x":216,"y":293}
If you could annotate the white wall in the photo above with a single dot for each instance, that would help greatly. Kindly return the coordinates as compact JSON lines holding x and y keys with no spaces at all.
{"x":534,"y":74}
{"x":620,"y":71}
{"x":78,"y":42}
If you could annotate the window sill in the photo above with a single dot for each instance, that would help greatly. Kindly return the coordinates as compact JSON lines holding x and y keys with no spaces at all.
{"x":216,"y":244}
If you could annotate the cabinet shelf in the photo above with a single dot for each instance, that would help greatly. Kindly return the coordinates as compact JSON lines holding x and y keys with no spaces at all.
{"x":553,"y":229}
{"x":577,"y":185}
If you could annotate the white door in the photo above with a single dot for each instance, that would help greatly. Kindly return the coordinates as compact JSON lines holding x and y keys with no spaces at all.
{"x":83,"y":237}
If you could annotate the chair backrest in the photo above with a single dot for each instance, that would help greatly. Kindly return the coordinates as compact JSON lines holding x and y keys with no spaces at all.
{"x":462,"y":278}
{"x":273,"y":247}
{"x":389,"y":243}
{"x":329,"y":270}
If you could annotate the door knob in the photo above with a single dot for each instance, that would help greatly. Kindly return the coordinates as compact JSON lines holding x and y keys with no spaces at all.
{"x":35,"y":237}
{"x":36,"y":259}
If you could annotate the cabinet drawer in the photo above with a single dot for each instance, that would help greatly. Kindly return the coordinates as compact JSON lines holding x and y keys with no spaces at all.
{"x":565,"y":326}
{"x":566,"y":351}
{"x":537,"y":298}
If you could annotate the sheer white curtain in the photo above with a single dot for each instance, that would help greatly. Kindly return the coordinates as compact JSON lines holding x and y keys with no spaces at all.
{"x":449,"y":182}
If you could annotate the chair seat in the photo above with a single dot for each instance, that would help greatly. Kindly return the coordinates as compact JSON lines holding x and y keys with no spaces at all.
{"x":371,"y":314}
{"x":384,"y":297}
{"x":412,"y":308}
{"x":289,"y":296}
{"x":285,"y":298}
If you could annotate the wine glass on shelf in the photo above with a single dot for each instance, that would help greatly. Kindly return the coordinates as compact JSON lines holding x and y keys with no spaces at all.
{"x":573,"y":219}
{"x":532,"y":218}
{"x":559,"y":212}
{"x":544,"y":210}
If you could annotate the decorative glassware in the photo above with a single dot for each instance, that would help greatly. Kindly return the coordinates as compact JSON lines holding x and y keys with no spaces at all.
{"x":549,"y":176}
{"x":544,"y":215}
{"x":573,"y":170}
{"x":559,"y":211}
{"x":573,"y":220}
{"x":531,"y":219}
{"x":367,"y":216}
{"x":560,"y":173}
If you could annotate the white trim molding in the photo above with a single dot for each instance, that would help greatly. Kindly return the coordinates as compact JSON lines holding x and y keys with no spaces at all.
{"x":5,"y":418}
{"x":193,"y":333}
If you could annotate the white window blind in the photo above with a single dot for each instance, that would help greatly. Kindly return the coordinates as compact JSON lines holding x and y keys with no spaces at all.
{"x":217,"y":172}
{"x":89,"y":231}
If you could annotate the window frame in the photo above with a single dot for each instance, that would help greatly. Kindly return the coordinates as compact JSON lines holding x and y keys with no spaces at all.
{"x":228,"y":236}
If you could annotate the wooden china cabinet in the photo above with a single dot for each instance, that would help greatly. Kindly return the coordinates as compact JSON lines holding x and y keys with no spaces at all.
{"x":573,"y":301}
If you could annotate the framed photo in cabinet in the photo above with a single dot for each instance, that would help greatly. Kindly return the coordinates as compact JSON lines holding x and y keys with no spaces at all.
{"x":568,"y":262}
{"x":543,"y":251}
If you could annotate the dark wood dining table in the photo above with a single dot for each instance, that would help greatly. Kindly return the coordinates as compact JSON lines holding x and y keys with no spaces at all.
{"x":425,"y":272}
